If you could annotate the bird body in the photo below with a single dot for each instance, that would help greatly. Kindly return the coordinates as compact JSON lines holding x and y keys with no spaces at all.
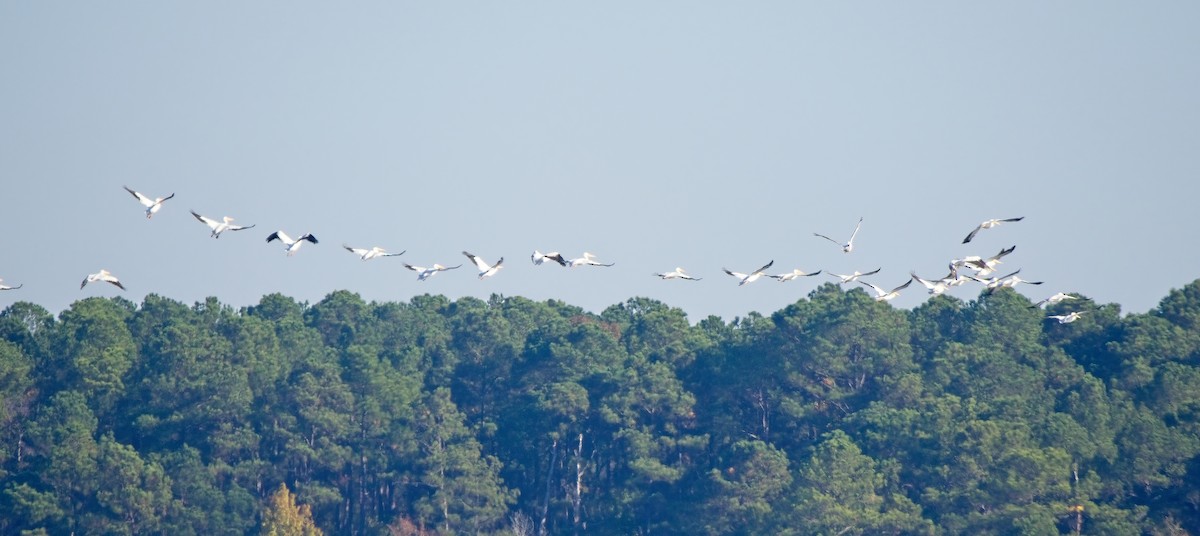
{"x":678,"y":273}
{"x":988,"y":225}
{"x":367,"y":254}
{"x":152,"y":205}
{"x":1057,"y":297}
{"x":102,"y":275}
{"x":485,"y":269}
{"x":1067,"y":318}
{"x":292,"y":246}
{"x":424,"y":273}
{"x":218,"y":227}
{"x":744,"y":279}
{"x":586,"y":260}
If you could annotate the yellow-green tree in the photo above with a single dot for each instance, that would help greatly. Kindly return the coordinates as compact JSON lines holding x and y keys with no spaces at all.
{"x":283,"y":517}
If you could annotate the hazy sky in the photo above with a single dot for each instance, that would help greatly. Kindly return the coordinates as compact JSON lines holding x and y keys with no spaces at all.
{"x":653,"y":134}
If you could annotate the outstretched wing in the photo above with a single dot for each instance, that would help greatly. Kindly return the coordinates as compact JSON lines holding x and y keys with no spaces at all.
{"x":145,"y":201}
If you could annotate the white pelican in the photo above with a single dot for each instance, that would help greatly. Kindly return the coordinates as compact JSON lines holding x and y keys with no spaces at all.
{"x":678,"y":273}
{"x":368,"y":254}
{"x":102,"y":275}
{"x":849,"y":245}
{"x":885,"y":295}
{"x":850,"y":278}
{"x":6,"y":287}
{"x":424,"y":273}
{"x":785,"y":277}
{"x":586,"y":260}
{"x":988,"y":225}
{"x":219,"y":227}
{"x":152,"y":205}
{"x":1013,"y":280}
{"x":1057,"y":297}
{"x":983,"y":267}
{"x":750,"y":277}
{"x":485,"y":269}
{"x":291,"y":245}
{"x":538,"y":257}
{"x":938,"y":287}
{"x":1067,"y":318}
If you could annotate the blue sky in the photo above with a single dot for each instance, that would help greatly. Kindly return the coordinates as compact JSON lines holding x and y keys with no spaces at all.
{"x":694,"y":134}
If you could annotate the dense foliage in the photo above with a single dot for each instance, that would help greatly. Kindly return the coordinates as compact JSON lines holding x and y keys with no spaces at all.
{"x":835,"y":415}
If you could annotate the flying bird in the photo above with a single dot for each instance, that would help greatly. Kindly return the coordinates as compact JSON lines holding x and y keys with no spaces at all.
{"x":850,"y":278}
{"x":1067,"y":318}
{"x":374,"y":252}
{"x":1057,"y":297}
{"x":750,"y":277}
{"x":6,"y":287}
{"x":102,"y":275}
{"x":988,"y":225}
{"x":424,"y":273}
{"x":291,"y":245}
{"x":485,"y":269}
{"x":218,"y":227}
{"x":939,"y":286}
{"x":586,"y":260}
{"x":538,"y":258}
{"x":885,"y":295}
{"x":849,"y":245}
{"x":152,"y":205}
{"x":983,"y":267}
{"x":785,"y":277}
{"x":678,"y":273}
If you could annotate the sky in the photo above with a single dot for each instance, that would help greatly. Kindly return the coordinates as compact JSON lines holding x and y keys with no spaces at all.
{"x":704,"y":135}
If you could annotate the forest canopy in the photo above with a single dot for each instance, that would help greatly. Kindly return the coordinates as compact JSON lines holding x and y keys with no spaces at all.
{"x":835,"y":415}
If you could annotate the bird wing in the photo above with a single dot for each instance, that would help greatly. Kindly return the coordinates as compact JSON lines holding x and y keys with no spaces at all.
{"x":902,"y":287}
{"x":738,"y":275}
{"x":827,"y":238}
{"x":479,"y":263}
{"x":282,"y":237}
{"x":973,"y":233}
{"x":357,"y":251}
{"x":145,"y":201}
{"x":385,"y":254}
{"x":449,"y":267}
{"x":855,"y":233}
{"x":211,"y":223}
{"x":878,"y":291}
{"x":414,"y":268}
{"x":872,"y":272}
{"x":1015,"y":219}
{"x":764,"y":268}
{"x":239,"y":227}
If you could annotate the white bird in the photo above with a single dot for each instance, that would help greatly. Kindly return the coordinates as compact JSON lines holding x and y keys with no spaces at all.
{"x":1057,"y":297}
{"x":850,"y":278}
{"x":102,"y":275}
{"x":988,"y":225}
{"x":750,"y":277}
{"x":291,"y":245}
{"x":1067,"y":318}
{"x":1013,"y":280}
{"x":424,"y":273}
{"x":849,"y":245}
{"x":219,"y":227}
{"x":993,"y":283}
{"x":935,"y":288}
{"x":586,"y":260}
{"x":983,"y":267}
{"x":538,"y":258}
{"x":885,"y":295}
{"x":152,"y":205}
{"x":374,"y":252}
{"x":6,"y":287}
{"x":485,"y":269}
{"x":678,"y":273}
{"x":785,"y":277}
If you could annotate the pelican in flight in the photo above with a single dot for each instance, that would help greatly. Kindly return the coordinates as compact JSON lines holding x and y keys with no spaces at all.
{"x":586,"y":260}
{"x":988,"y":225}
{"x":1057,"y":297}
{"x":785,"y":277}
{"x":750,"y":277}
{"x":885,"y":295}
{"x":152,"y":205}
{"x":291,"y":245}
{"x":983,"y":267}
{"x":102,"y":275}
{"x":6,"y":287}
{"x":849,"y":245}
{"x":1067,"y":318}
{"x":219,"y":227}
{"x":678,"y":273}
{"x":368,"y":254}
{"x":850,"y":278}
{"x":485,"y":269}
{"x":538,"y":258}
{"x":424,"y":273}
{"x":939,"y":286}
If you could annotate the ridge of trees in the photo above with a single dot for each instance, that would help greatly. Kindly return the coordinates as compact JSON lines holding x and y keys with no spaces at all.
{"x":834,"y":415}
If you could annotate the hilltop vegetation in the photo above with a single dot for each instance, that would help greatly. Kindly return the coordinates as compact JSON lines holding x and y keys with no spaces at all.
{"x":835,"y":415}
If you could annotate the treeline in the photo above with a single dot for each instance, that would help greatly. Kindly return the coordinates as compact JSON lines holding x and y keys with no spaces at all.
{"x":835,"y":415}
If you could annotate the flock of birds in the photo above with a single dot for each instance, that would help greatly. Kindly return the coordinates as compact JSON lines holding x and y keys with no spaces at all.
{"x":982,"y":269}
